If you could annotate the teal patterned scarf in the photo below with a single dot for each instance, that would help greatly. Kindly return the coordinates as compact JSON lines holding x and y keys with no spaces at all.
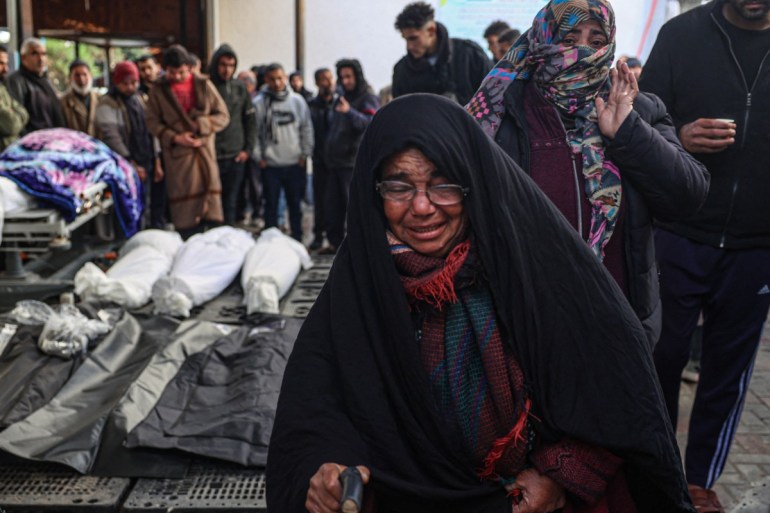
{"x":476,"y":381}
{"x":571,"y":79}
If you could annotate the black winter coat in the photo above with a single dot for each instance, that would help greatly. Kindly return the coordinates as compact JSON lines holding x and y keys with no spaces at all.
{"x":458,"y":72}
{"x":38,"y":96}
{"x":659,"y":179}
{"x":346,"y":130}
{"x":693,"y":69}
{"x":320,"y":113}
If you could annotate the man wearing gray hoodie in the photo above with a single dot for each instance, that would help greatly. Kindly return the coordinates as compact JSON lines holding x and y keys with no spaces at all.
{"x":284,"y":143}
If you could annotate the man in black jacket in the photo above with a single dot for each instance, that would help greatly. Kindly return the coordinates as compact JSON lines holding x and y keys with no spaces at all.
{"x":236,"y":142}
{"x":29,"y":86}
{"x":353,"y":111}
{"x":436,"y":63}
{"x":710,"y":66}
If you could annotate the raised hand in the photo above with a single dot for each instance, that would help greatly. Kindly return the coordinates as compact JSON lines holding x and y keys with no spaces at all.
{"x":620,"y":101}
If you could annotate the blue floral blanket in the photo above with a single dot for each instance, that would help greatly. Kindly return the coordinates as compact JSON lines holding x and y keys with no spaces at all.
{"x":57,"y":165}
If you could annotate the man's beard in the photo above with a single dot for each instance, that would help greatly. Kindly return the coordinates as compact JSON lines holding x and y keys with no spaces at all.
{"x":750,"y":14}
{"x":82,"y":91}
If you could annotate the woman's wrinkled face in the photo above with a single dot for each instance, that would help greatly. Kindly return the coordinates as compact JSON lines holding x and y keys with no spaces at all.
{"x":587,"y":33}
{"x":427,"y":228}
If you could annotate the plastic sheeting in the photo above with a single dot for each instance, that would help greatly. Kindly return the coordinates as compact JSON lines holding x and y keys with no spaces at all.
{"x":67,"y":333}
{"x":190,"y":338}
{"x":222,"y":402}
{"x":270,"y":269}
{"x":29,"y":378}
{"x":68,"y":428}
{"x":114,"y":458}
{"x":202,"y":269}
{"x":144,"y":259}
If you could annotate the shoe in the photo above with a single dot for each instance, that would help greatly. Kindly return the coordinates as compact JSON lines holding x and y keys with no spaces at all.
{"x":258,"y":223}
{"x":691,"y":373}
{"x":317,"y":243}
{"x":705,"y":501}
{"x":328,"y":250}
{"x":245,"y":221}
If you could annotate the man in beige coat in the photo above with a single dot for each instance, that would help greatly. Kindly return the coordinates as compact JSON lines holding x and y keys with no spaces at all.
{"x":79,"y":102}
{"x":184,"y":112}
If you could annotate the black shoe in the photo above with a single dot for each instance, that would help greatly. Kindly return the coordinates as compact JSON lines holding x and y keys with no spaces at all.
{"x":317,"y":243}
{"x":328,"y":250}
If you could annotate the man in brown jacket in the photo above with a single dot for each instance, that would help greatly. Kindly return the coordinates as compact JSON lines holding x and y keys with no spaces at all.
{"x":184,"y":112}
{"x":79,"y":102}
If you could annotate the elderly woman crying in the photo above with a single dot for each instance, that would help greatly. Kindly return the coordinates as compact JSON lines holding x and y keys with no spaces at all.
{"x":469,"y":352}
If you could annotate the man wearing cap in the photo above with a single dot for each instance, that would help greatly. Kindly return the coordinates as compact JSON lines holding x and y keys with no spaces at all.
{"x":79,"y":102}
{"x":29,"y":85}
{"x":120,"y":119}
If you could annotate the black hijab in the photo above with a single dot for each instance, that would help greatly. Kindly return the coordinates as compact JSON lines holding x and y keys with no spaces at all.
{"x":355,"y":391}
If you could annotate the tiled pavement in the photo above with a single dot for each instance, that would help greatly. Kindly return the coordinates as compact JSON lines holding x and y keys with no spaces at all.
{"x":744,"y":487}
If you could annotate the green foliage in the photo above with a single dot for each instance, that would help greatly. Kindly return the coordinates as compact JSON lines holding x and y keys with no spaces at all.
{"x":61,"y":53}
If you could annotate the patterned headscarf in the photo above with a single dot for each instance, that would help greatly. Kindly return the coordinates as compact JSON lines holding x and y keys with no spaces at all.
{"x":571,"y":79}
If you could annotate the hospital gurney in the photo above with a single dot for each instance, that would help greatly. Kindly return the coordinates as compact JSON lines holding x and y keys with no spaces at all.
{"x":46,"y":238}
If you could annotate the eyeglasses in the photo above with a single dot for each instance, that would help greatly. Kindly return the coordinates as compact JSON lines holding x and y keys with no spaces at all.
{"x":443,"y":195}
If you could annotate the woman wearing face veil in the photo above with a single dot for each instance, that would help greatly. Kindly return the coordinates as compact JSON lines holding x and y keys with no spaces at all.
{"x":469,"y":353}
{"x":606,"y":155}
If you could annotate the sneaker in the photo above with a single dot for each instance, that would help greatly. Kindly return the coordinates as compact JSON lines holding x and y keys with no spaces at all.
{"x":317,"y":243}
{"x":691,"y":373}
{"x":258,"y":223}
{"x":245,"y":222}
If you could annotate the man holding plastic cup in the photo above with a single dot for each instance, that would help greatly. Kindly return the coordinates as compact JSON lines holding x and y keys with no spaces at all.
{"x":710,"y":67}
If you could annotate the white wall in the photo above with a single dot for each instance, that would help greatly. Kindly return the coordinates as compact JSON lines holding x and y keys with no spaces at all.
{"x":262,"y":31}
{"x":359,"y":29}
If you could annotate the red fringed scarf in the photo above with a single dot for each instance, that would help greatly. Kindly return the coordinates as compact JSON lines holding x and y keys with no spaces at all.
{"x":429,"y":279}
{"x":499,"y":396}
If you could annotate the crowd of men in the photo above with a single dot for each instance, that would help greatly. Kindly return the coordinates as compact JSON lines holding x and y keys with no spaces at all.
{"x":223,"y":146}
